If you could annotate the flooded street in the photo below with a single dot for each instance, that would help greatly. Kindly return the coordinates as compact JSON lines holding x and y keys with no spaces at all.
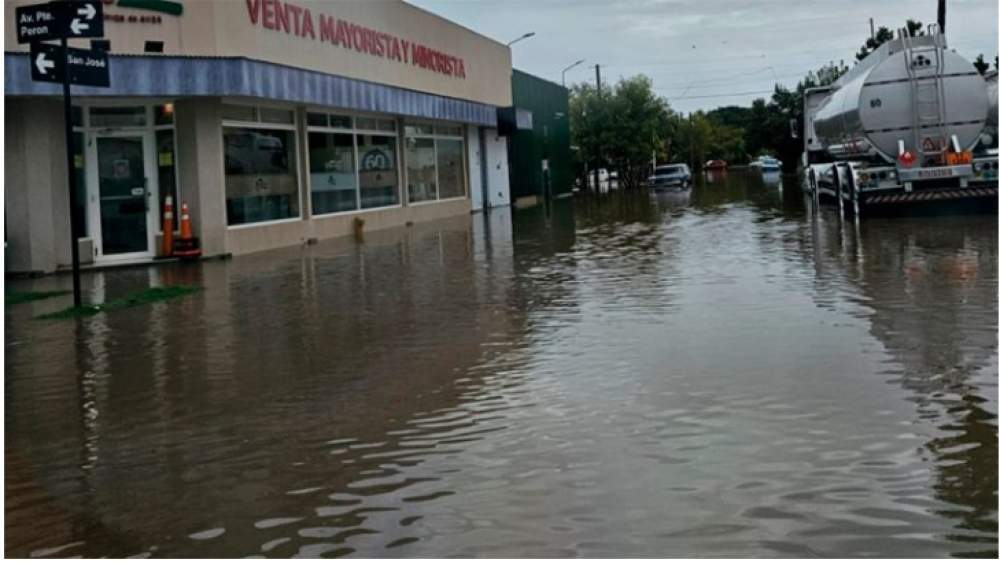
{"x":703,"y":374}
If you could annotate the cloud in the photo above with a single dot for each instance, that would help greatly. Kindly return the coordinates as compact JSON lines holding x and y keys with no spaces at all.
{"x":732,"y":45}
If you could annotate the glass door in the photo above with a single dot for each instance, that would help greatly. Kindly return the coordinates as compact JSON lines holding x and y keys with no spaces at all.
{"x":124,"y":202}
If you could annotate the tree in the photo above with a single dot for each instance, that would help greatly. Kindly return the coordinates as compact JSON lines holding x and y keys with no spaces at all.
{"x":981,"y":65}
{"x":881,"y":36}
{"x":914,"y":27}
{"x":623,"y":127}
{"x":767,"y":125}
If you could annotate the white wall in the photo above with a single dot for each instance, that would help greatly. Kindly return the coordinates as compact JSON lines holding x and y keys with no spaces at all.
{"x":497,"y":179}
{"x":475,"y":167}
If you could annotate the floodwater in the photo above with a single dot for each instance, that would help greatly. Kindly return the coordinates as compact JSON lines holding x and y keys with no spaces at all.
{"x":703,"y":374}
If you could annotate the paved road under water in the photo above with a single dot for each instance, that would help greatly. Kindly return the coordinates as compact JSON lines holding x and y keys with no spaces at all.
{"x":712,"y":374}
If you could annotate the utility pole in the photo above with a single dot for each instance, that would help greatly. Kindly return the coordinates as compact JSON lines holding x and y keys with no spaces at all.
{"x":597,"y":179}
{"x":691,"y":140}
{"x":871,"y":24}
{"x":941,"y":10}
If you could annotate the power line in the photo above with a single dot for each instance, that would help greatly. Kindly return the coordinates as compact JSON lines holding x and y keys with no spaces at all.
{"x":717,"y":83}
{"x":732,"y":95}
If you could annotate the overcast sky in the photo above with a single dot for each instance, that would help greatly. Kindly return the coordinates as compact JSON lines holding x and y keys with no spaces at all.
{"x":701,"y":54}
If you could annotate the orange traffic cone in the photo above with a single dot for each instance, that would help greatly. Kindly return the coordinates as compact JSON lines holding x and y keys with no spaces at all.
{"x":185,"y":221}
{"x":168,"y":226}
{"x":187,"y":245}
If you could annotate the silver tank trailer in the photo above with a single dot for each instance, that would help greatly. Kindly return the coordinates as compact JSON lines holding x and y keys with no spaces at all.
{"x":871,"y":107}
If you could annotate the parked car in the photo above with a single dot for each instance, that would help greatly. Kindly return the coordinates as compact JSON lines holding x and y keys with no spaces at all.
{"x":670,"y":176}
{"x":766,"y":164}
{"x":717,"y":164}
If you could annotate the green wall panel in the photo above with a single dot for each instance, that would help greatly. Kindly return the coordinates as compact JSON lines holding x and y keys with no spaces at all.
{"x":549,"y":104}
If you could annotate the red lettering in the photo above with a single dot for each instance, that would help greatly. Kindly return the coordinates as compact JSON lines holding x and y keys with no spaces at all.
{"x":253,"y":8}
{"x":294,"y":19}
{"x":358,"y":36}
{"x":280,"y":16}
{"x":307,"y":24}
{"x":326,"y":28}
{"x":268,"y":19}
{"x":296,"y":13}
{"x":395,"y":50}
{"x":344,"y":34}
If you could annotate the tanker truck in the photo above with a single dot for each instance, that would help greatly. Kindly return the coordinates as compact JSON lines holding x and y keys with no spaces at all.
{"x":912,"y":124}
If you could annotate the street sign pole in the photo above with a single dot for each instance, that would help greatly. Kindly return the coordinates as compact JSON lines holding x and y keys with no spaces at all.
{"x":71,"y":170}
{"x":38,"y":23}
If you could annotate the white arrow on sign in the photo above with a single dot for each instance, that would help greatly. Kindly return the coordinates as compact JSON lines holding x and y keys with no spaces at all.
{"x":77,"y":26}
{"x":88,"y":11}
{"x":43,"y":64}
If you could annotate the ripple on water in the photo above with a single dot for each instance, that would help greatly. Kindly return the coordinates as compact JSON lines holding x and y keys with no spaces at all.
{"x":616,"y":376}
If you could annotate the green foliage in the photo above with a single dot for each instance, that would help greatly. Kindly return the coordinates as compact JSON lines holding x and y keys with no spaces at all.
{"x":150,"y":295}
{"x":981,"y":65}
{"x":625,"y":127}
{"x":881,"y":36}
{"x":621,"y":128}
{"x":914,"y":27}
{"x":704,"y":136}
{"x":767,"y":125}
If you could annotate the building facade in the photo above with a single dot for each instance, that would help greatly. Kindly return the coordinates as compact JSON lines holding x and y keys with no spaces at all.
{"x":277,"y":122}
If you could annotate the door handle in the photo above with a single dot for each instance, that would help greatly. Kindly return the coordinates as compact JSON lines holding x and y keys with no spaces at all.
{"x":145,"y":189}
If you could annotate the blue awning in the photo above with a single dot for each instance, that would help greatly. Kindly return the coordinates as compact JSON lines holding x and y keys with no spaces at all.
{"x":164,"y":76}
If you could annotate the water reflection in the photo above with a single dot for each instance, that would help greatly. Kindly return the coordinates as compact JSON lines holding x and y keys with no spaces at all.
{"x":931,"y":288}
{"x":712,"y":372}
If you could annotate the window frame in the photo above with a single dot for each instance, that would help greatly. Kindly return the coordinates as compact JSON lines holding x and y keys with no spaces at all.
{"x":460,"y":136}
{"x":296,"y":167}
{"x":354,"y":131}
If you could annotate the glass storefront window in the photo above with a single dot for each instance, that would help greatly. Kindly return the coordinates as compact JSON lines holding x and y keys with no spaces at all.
{"x":273,"y":115}
{"x":261,"y":183}
{"x":366,"y":123}
{"x":352,"y":169}
{"x":340,"y":121}
{"x":379,"y":170}
{"x":166,"y":171}
{"x":333,"y":180}
{"x":233,"y":112}
{"x":437,"y":170}
{"x":419,"y":129}
{"x":317,"y":119}
{"x":451,"y":180}
{"x":452,"y":130}
{"x":131,"y":116}
{"x":421,"y":169}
